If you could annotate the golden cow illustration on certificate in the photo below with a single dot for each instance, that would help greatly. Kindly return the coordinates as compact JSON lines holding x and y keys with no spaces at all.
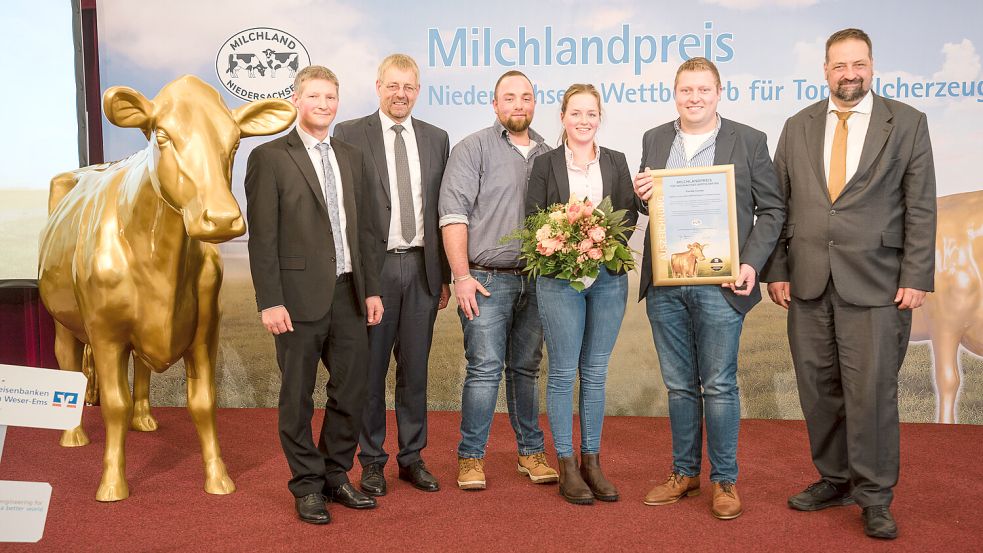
{"x":693,"y":226}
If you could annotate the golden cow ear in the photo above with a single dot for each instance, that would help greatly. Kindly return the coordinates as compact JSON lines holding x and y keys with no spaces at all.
{"x":264,"y":117}
{"x":125,"y":107}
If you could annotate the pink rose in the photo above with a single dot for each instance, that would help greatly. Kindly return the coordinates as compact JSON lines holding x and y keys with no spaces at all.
{"x":585,"y":245}
{"x":594,"y":253}
{"x":597,"y":234}
{"x":573,"y":213}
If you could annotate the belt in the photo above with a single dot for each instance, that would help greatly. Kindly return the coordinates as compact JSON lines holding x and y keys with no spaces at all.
{"x":405,"y":250}
{"x":501,"y":270}
{"x":343,"y":277}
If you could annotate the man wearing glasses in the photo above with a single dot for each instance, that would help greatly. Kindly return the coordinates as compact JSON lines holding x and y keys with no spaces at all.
{"x":409,"y":156}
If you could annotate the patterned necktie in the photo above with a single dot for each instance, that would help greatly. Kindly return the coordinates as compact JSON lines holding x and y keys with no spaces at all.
{"x":407,"y":214}
{"x":837,"y":158}
{"x":331,"y":199}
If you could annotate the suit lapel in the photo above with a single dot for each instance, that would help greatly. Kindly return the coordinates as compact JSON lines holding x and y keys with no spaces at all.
{"x":608,"y":174}
{"x":373,"y":135}
{"x":297,"y":151}
{"x":663,"y":145}
{"x":560,"y":174}
{"x":878,"y":130}
{"x":723,"y":148}
{"x":423,"y":151}
{"x":815,"y":138}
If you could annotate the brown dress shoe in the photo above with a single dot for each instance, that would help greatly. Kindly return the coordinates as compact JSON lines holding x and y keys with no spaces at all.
{"x":726,"y":502}
{"x":675,"y":488}
{"x":590,"y":470}
{"x":572,"y":486}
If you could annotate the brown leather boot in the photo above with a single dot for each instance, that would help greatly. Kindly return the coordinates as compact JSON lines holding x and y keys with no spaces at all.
{"x":726,"y":502}
{"x":675,"y":488}
{"x":572,"y":486}
{"x":590,"y":470}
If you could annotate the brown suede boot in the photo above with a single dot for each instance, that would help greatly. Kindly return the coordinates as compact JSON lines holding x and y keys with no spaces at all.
{"x":572,"y":486}
{"x":590,"y":470}
{"x":675,"y":488}
{"x":726,"y":502}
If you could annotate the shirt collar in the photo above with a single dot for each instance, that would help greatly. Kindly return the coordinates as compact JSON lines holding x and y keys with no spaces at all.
{"x":309,"y":141}
{"x":387,"y":122}
{"x":679,"y":129}
{"x":865,"y":106}
{"x":569,"y":155}
{"x":500,"y":130}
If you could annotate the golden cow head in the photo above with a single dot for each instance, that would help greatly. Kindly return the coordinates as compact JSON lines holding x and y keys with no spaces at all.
{"x":197,"y":137}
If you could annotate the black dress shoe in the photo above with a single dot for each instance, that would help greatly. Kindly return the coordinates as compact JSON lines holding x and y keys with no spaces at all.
{"x":347,"y":495}
{"x":820,"y":495}
{"x":418,"y":475}
{"x":878,"y":522}
{"x":310,"y":508}
{"x":373,"y":482}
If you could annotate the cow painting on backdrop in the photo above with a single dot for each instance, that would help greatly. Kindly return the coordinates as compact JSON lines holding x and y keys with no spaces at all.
{"x":315,"y":260}
{"x":127,"y":266}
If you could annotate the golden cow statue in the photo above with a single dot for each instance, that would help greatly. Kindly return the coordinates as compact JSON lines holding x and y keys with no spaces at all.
{"x":953,"y":315}
{"x":124,"y":264}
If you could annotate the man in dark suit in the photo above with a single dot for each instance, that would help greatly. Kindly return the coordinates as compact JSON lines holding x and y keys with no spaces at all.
{"x":697,"y":329}
{"x":856,"y":256}
{"x":409,"y":157}
{"x":314,"y":258}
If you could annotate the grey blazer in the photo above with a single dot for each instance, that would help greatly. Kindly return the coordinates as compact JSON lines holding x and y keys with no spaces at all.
{"x":879,"y":234}
{"x":433,"y":146}
{"x":760,"y":206}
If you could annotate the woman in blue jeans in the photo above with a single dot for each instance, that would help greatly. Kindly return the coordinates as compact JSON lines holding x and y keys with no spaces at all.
{"x":580,"y":327}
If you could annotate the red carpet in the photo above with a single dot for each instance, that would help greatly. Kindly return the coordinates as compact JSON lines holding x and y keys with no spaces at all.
{"x":169,"y":511}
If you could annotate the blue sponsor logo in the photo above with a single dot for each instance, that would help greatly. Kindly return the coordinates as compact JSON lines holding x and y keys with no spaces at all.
{"x":67,"y":399}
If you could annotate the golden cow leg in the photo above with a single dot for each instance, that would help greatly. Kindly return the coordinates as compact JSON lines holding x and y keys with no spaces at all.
{"x":68,"y":351}
{"x":117,"y":411}
{"x":945,"y":350}
{"x":200,"y":363}
{"x":142,"y":421}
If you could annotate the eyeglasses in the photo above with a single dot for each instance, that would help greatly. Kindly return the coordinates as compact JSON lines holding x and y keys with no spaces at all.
{"x":407,"y":88}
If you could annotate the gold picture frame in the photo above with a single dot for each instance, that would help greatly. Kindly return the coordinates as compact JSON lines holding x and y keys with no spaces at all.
{"x":693,"y":226}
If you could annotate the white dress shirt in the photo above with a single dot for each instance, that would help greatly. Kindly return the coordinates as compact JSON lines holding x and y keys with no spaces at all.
{"x":396,"y":239}
{"x":585,"y":182}
{"x":310,"y":144}
{"x":856,"y":133}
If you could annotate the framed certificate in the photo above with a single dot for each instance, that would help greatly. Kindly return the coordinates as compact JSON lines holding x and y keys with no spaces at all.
{"x":693,"y":226}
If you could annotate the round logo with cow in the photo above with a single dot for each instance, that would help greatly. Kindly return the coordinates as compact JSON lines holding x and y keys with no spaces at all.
{"x":716,"y":264}
{"x":261,"y":63}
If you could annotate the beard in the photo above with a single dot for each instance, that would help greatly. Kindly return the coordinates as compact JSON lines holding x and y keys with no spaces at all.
{"x":851,"y":95}
{"x":516,"y":125}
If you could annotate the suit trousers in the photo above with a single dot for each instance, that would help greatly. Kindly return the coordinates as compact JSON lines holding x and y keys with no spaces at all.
{"x":847,"y":359}
{"x":406,"y":331}
{"x":340,"y":341}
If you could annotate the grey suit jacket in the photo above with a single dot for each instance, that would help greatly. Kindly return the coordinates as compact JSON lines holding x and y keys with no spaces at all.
{"x":433,"y":146}
{"x":291,"y":253}
{"x":879,"y":234}
{"x":760,"y":206}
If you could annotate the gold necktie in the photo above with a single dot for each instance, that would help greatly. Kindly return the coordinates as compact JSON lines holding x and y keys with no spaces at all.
{"x":837,"y":158}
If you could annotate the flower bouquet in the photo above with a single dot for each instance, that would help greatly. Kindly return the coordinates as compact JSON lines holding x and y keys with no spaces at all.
{"x":571,"y":241}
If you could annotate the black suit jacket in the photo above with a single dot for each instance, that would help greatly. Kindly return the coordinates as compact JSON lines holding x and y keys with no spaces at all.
{"x":549,"y":183}
{"x":760,"y":205}
{"x":433,"y":146}
{"x":291,"y":252}
{"x":879,"y":234}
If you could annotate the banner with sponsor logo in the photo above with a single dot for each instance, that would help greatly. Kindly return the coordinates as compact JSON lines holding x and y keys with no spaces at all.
{"x":770,"y":54}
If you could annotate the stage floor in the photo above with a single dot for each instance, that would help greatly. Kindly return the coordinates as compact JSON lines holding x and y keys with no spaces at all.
{"x":168,"y":510}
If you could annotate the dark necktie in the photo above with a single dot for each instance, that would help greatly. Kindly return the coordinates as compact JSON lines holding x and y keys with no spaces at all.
{"x":407,"y":214}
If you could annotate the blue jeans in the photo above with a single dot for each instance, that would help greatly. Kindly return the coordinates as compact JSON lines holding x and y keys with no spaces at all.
{"x":697,"y":335}
{"x":506,"y":335}
{"x":581,"y":329}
